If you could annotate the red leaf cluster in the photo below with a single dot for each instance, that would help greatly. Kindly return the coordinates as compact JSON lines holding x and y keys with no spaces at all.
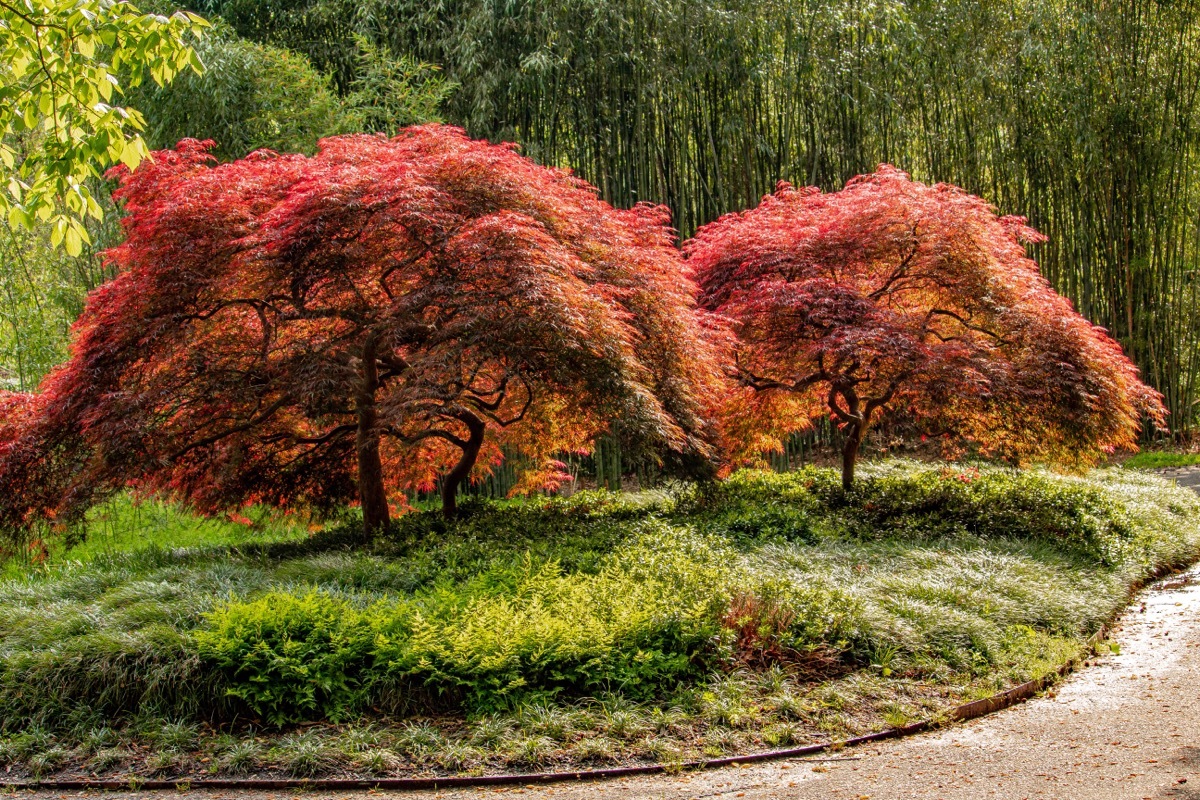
{"x":316,"y":330}
{"x":894,"y":296}
{"x":393,"y":313}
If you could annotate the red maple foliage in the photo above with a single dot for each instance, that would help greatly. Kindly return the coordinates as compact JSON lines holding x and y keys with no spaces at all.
{"x":891,"y":295}
{"x":385,"y":315}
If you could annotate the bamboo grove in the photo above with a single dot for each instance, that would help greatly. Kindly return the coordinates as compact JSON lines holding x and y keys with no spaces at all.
{"x":1081,"y":116}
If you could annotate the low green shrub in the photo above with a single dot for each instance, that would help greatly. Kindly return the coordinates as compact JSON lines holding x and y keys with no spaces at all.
{"x":1160,"y":459}
{"x":1111,"y":516}
{"x":994,"y":504}
{"x":291,"y":657}
{"x":636,"y":625}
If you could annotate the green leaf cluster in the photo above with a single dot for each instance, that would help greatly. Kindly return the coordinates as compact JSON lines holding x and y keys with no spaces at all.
{"x":64,"y":67}
{"x":291,"y":657}
{"x":253,"y":96}
{"x":636,"y":625}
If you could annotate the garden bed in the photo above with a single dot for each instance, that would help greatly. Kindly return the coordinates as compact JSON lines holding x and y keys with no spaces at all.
{"x":762,"y":612}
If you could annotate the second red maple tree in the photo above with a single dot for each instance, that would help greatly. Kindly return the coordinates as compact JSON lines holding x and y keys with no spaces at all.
{"x":891,"y":296}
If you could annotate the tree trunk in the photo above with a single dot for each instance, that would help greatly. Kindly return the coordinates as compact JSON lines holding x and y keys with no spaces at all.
{"x":857,"y":420}
{"x":462,"y":469}
{"x":854,"y":437}
{"x":371,"y":492}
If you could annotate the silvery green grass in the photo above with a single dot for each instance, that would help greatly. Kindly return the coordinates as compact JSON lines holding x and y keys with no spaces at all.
{"x":764,"y":611}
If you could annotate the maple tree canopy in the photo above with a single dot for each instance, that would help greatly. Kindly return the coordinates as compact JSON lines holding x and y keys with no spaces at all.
{"x":385,"y":315}
{"x":891,"y":295}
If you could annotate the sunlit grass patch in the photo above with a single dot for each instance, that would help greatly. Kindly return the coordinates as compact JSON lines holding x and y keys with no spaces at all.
{"x":1160,"y":459}
{"x":123,"y":523}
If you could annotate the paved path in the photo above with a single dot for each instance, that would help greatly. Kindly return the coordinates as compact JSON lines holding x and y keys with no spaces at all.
{"x":1182,"y":476}
{"x":1126,"y":728}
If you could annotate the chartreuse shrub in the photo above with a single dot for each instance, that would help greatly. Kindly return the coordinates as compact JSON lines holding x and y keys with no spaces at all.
{"x":292,"y":656}
{"x":636,"y":624}
{"x":647,"y":618}
{"x":966,"y":577}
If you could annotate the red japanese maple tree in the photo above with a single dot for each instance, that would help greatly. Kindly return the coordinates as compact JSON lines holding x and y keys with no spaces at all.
{"x":894,"y":296}
{"x":385,"y":315}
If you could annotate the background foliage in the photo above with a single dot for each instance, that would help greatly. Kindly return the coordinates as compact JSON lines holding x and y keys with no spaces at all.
{"x":64,"y":66}
{"x":254,"y":96}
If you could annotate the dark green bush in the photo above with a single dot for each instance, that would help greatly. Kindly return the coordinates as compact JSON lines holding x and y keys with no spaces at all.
{"x":764,"y":523}
{"x":905,"y":500}
{"x":994,"y":503}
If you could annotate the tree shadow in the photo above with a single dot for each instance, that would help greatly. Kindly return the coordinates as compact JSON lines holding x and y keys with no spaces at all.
{"x":1186,"y":760}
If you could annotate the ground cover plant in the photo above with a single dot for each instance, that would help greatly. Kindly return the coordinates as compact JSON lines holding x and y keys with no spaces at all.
{"x":764,"y":610}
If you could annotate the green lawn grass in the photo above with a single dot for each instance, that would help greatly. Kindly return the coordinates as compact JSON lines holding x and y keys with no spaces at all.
{"x":762,"y":611}
{"x":124,"y":524}
{"x":1160,"y":459}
